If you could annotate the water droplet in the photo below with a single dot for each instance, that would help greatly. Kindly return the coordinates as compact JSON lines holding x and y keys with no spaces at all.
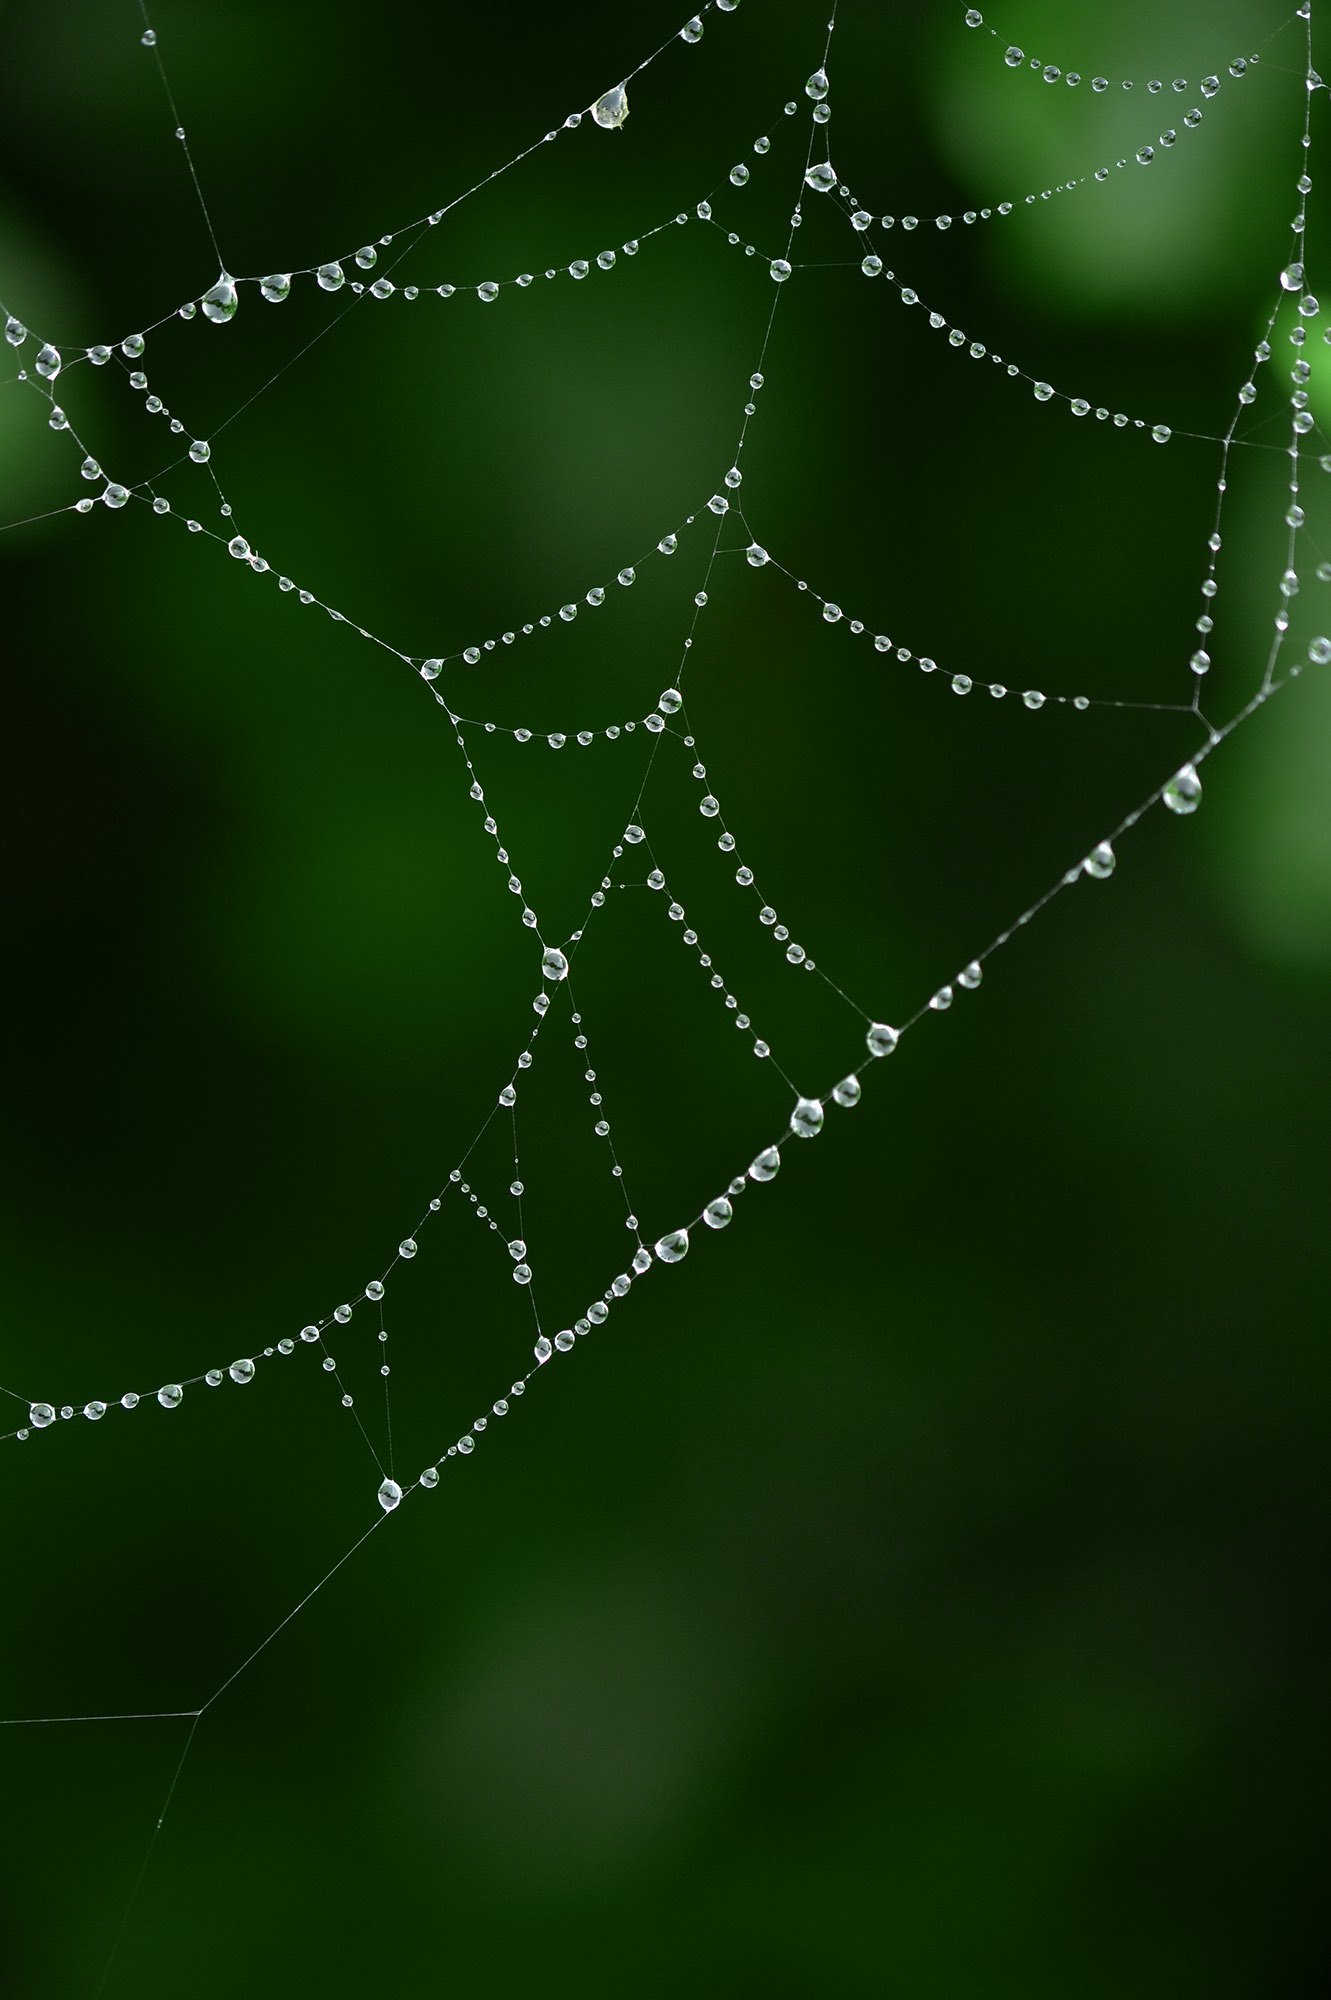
{"x":767,"y":1165}
{"x":821,"y":177}
{"x":667,"y":545}
{"x":881,"y":1039}
{"x":276,"y":287}
{"x":691,"y":31}
{"x":780,"y":270}
{"x":48,"y":361}
{"x":40,"y":1415}
{"x":674,"y":1247}
{"x":971,"y":975}
{"x":200,"y":451}
{"x":114,"y":495}
{"x":611,"y":110}
{"x":718,"y":1213}
{"x":241,"y":1371}
{"x":806,"y":1120}
{"x":756,"y":555}
{"x":816,"y":87}
{"x":554,"y":965}
{"x":1099,"y":863}
{"x":170,"y":1395}
{"x":1291,"y":278}
{"x":390,"y":1493}
{"x":1043,"y":391}
{"x":1183,"y":793}
{"x":848,"y":1092}
{"x":219,"y":302}
{"x":92,"y":1411}
{"x":542,"y":1349}
{"x":330,"y":277}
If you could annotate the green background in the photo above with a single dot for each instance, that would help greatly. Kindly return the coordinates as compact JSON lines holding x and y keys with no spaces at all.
{"x":913,"y":1591}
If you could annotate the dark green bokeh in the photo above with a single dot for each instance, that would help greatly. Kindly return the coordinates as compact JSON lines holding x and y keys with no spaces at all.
{"x":910,"y":1593}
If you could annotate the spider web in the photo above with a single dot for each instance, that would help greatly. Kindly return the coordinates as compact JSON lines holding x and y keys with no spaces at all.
{"x":664,"y":873}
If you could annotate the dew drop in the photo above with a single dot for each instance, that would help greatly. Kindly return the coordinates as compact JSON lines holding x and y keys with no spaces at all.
{"x":1183,"y":793}
{"x":718,"y":1213}
{"x":610,"y":111}
{"x":390,"y":1493}
{"x":767,"y":1165}
{"x":881,"y":1039}
{"x":170,"y":1395}
{"x":219,"y":302}
{"x":1100,"y":862}
{"x":806,"y":1120}
{"x":848,"y":1092}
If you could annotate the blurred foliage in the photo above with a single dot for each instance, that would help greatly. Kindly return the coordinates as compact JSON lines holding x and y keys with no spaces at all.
{"x":910,"y":1592}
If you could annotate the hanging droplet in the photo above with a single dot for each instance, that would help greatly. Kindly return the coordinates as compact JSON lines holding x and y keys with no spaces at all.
{"x":200,"y":451}
{"x":170,"y":1395}
{"x":848,"y":1092}
{"x":554,"y":965}
{"x":767,"y":1165}
{"x":390,"y":1493}
{"x":48,"y":362}
{"x":219,"y":302}
{"x":691,"y":31}
{"x":15,"y":331}
{"x":806,"y":1120}
{"x":756,"y":555}
{"x":330,"y":277}
{"x":488,"y":292}
{"x":971,"y":975}
{"x":40,"y":1415}
{"x":1291,"y":278}
{"x":780,"y":270}
{"x":1183,"y":793}
{"x":276,"y":287}
{"x":816,"y":87}
{"x":718,"y":1213}
{"x":94,"y":1410}
{"x":881,"y":1039}
{"x":611,"y":110}
{"x":674,"y":1247}
{"x":1100,"y":862}
{"x":821,"y":177}
{"x":739,"y":175}
{"x":241,"y":1371}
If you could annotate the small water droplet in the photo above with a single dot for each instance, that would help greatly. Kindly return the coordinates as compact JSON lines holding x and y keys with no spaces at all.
{"x":1183,"y":793}
{"x":1100,"y":862}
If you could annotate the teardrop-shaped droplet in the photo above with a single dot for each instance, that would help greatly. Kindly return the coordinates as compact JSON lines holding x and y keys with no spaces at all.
{"x":816,"y":87}
{"x":767,"y":1165}
{"x":848,"y":1091}
{"x":881,"y":1039}
{"x":1099,"y":863}
{"x":674,"y":1247}
{"x":219,"y":302}
{"x":1183,"y":793}
{"x":554,"y":965}
{"x":718,"y":1213}
{"x":611,"y":110}
{"x":48,"y":362}
{"x":806,"y":1120}
{"x":390,"y":1493}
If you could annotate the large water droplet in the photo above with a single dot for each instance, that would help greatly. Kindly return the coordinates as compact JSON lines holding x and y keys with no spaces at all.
{"x":219,"y":302}
{"x":767,"y":1165}
{"x":554,"y":965}
{"x":673,"y":1248}
{"x":881,"y":1039}
{"x":276,"y":287}
{"x":821,"y":177}
{"x":1183,"y":793}
{"x":816,"y":87}
{"x":48,"y":362}
{"x":611,"y":110}
{"x":40,"y":1415}
{"x":806,"y":1120}
{"x":170,"y":1395}
{"x":241,"y":1371}
{"x":390,"y":1493}
{"x":718,"y":1213}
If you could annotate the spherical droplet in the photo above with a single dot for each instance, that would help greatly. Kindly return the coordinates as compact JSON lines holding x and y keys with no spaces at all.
{"x":718,"y":1213}
{"x":554,"y":965}
{"x":170,"y":1395}
{"x":848,"y":1091}
{"x":390,"y":1493}
{"x":821,"y":177}
{"x":48,"y":362}
{"x":40,"y":1415}
{"x":756,"y":555}
{"x":1183,"y":793}
{"x":816,"y":87}
{"x":331,"y":277}
{"x":673,"y":1248}
{"x":780,"y":270}
{"x":276,"y":287}
{"x":767,"y":1165}
{"x":1100,"y":862}
{"x":200,"y":451}
{"x":881,"y":1039}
